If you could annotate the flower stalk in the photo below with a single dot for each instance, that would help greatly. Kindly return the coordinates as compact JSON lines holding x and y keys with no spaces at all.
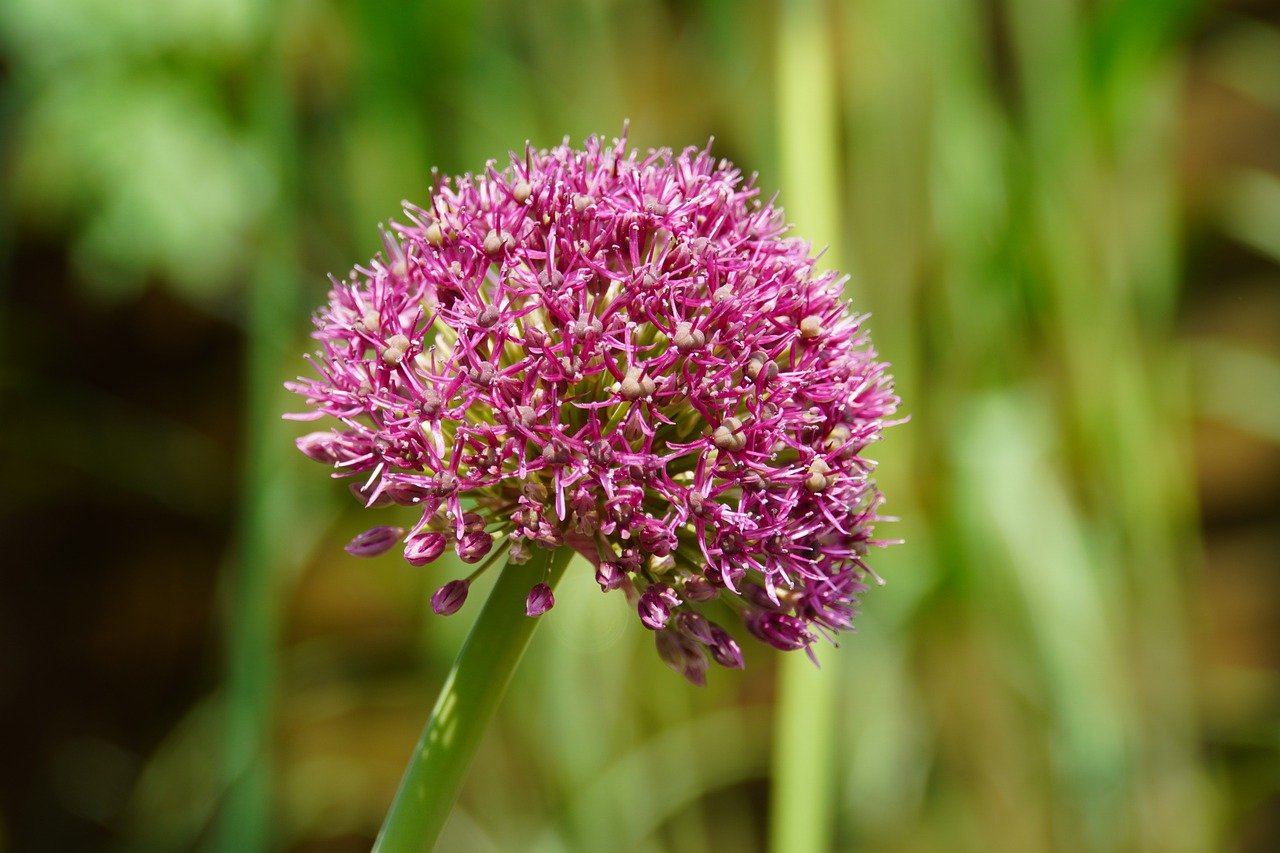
{"x":467,"y":701}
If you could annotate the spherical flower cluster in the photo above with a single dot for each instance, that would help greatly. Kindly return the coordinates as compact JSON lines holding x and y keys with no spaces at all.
{"x":622,"y":355}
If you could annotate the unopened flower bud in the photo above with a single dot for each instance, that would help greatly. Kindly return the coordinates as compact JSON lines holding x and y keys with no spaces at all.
{"x":539,"y":601}
{"x":450,"y":597}
{"x":319,"y":446}
{"x":424,"y":548}
{"x":375,"y":541}
{"x":695,"y":625}
{"x":473,"y":547}
{"x":724,"y":649}
{"x":683,"y":655}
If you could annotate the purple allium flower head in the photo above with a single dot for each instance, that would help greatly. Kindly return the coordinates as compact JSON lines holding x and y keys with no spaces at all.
{"x":624,"y":354}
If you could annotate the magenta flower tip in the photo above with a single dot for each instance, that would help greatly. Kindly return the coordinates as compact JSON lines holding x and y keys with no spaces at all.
{"x":623,"y":354}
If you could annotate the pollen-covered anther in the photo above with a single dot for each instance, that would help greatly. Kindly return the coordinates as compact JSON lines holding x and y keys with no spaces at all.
{"x":396,"y":347}
{"x":687,"y":338}
{"x":729,"y":436}
{"x":811,"y":326}
{"x":817,"y":479}
{"x":636,"y":384}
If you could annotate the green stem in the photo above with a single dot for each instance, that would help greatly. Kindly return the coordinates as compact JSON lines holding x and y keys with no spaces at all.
{"x":467,"y":700}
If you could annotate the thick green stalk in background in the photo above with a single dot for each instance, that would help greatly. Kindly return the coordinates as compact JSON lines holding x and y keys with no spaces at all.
{"x":470,"y":695}
{"x":802,"y":804}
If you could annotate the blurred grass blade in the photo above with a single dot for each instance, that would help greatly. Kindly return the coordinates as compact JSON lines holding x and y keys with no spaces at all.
{"x":268,"y":504}
{"x":470,"y":695}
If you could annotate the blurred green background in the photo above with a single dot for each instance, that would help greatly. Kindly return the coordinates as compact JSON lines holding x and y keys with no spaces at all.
{"x":1065,"y":218}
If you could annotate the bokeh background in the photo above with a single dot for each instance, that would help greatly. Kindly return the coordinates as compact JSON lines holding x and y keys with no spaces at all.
{"x":1065,"y":218}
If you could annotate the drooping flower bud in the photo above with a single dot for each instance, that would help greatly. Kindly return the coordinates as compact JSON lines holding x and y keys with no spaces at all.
{"x":450,"y":597}
{"x":375,"y":541}
{"x":724,"y":649}
{"x":539,"y":601}
{"x":683,"y":655}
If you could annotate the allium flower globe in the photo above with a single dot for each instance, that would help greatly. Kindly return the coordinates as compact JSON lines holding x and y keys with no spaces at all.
{"x":622,"y":355}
